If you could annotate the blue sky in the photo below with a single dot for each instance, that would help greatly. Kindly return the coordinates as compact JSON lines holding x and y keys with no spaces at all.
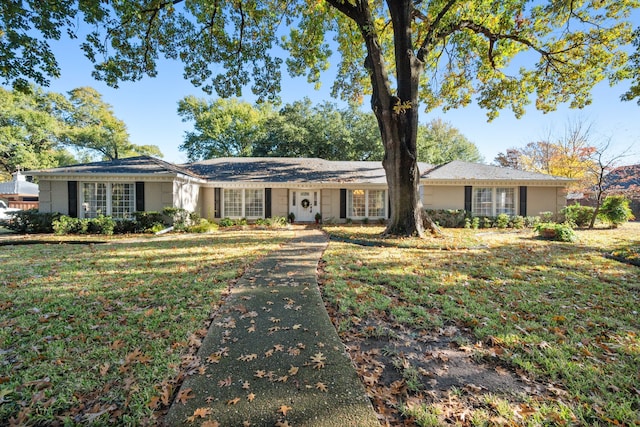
{"x":149,"y":109}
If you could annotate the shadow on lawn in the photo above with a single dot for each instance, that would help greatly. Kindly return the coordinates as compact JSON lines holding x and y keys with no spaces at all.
{"x":462,"y":331}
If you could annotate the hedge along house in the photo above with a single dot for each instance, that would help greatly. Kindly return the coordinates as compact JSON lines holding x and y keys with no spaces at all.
{"x":253,"y":188}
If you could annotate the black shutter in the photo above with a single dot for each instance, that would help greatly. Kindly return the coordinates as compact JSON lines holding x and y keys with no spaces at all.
{"x":467,"y":198}
{"x":72,"y":187}
{"x":523,"y":201}
{"x":267,"y":203}
{"x":343,"y":203}
{"x":139,"y":196}
{"x":217,"y":203}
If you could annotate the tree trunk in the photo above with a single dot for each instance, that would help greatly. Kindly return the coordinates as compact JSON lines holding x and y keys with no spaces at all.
{"x":397,"y":115}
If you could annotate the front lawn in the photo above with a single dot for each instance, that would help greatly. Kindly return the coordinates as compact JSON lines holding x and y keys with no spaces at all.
{"x":100,"y":332}
{"x":525,"y":331}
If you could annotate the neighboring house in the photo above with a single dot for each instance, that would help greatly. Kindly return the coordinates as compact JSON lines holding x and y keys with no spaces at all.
{"x":19,"y":193}
{"x":253,"y":188}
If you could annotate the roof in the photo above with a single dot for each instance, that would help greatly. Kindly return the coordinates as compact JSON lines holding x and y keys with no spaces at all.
{"x":459,"y":170}
{"x":129,"y":166}
{"x":19,"y":186}
{"x":288,"y":169}
{"x":282,"y":170}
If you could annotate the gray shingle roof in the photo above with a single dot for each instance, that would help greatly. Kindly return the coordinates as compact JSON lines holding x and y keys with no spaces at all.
{"x":457,"y":170}
{"x":287,"y":169}
{"x":293,"y":170}
{"x":130,"y":165}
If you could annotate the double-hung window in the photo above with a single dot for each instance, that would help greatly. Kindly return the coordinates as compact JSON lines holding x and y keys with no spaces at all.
{"x":114,"y":199}
{"x":366,"y":203}
{"x":243,"y":203}
{"x":492,"y":201}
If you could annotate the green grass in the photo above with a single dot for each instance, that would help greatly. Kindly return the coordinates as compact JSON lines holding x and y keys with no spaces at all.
{"x":561,"y":314}
{"x":96,"y":333}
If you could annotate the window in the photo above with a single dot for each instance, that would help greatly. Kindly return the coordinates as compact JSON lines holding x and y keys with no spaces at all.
{"x":366,"y":203}
{"x":376,"y":203}
{"x":253,"y":203}
{"x":357,"y":203}
{"x":114,"y":199}
{"x":232,"y":203}
{"x":94,"y":199}
{"x":243,"y":203}
{"x":489,"y":201}
{"x":123,"y":201}
{"x":482,"y":202}
{"x":505,"y":201}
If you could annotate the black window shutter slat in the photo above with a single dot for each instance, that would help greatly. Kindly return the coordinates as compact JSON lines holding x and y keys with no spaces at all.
{"x":267,"y":203}
{"x":72,"y":187}
{"x":523,"y":201}
{"x":217,"y":203}
{"x":139,"y":196}
{"x":343,"y":203}
{"x":467,"y":198}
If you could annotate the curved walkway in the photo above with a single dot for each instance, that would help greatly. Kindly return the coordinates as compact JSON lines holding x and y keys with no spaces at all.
{"x":272,"y":356}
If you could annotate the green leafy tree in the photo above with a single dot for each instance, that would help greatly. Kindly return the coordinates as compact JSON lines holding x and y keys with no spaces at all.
{"x":93,"y":127}
{"x":441,"y":52}
{"x":29,"y":130}
{"x":439,"y":142}
{"x":633,"y":71}
{"x":222,"y":128}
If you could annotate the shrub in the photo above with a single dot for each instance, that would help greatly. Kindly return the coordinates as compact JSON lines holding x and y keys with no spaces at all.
{"x":615,"y":210}
{"x":554,"y":231}
{"x":578,"y":215}
{"x":101,"y":225}
{"x":32,"y":221}
{"x":502,"y":220}
{"x":546,"y":217}
{"x":487,"y":222}
{"x":226,"y":222}
{"x":531,"y":221}
{"x":68,"y":225}
{"x":475,"y":223}
{"x":518,"y":222}
{"x":148,"y":221}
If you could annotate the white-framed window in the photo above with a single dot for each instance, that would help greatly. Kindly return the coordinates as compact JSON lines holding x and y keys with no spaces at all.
{"x":243,"y":203}
{"x":114,"y":199}
{"x":492,"y":201}
{"x":366,"y":203}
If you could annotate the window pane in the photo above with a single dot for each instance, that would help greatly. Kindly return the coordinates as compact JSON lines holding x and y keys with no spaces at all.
{"x":122,"y":200}
{"x":376,"y":203}
{"x":94,"y":199}
{"x":253,"y":203}
{"x":357,"y":203}
{"x":232,"y":203}
{"x":482,"y":202}
{"x":505,"y":201}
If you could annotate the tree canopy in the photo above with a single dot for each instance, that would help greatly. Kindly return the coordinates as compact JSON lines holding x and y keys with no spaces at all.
{"x":501,"y":54}
{"x":229,"y":127}
{"x":40,"y":129}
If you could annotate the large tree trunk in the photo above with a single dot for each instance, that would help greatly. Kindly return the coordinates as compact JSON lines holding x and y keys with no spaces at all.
{"x":397,"y":114}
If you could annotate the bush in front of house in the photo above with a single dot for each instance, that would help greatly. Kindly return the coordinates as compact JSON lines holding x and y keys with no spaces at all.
{"x":447,"y":218}
{"x":578,"y":215}
{"x":148,"y":221}
{"x":100,"y":225}
{"x":31,"y":221}
{"x":555,"y":231}
{"x":615,"y":210}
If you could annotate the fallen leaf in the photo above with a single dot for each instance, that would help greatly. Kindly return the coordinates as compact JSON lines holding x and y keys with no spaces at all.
{"x":260,"y":374}
{"x":248,"y":357}
{"x":297,"y":326}
{"x":322,"y":387}
{"x":199,"y":413}
{"x":250,"y":397}
{"x":293,"y":370}
{"x":225,"y":382}
{"x":209,"y":423}
{"x":233,"y":401}
{"x":318,"y":360}
{"x":284,"y":409}
{"x":183,"y":395}
{"x":214,"y":358}
{"x":246,"y":385}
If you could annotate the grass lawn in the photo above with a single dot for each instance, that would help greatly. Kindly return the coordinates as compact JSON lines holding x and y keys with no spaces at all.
{"x":94,"y":333}
{"x":559,"y":321}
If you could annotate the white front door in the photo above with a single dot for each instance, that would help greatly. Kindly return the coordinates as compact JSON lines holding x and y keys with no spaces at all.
{"x":304,"y":204}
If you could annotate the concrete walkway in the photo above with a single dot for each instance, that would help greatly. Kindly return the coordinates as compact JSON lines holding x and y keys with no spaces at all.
{"x":272,"y":356}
